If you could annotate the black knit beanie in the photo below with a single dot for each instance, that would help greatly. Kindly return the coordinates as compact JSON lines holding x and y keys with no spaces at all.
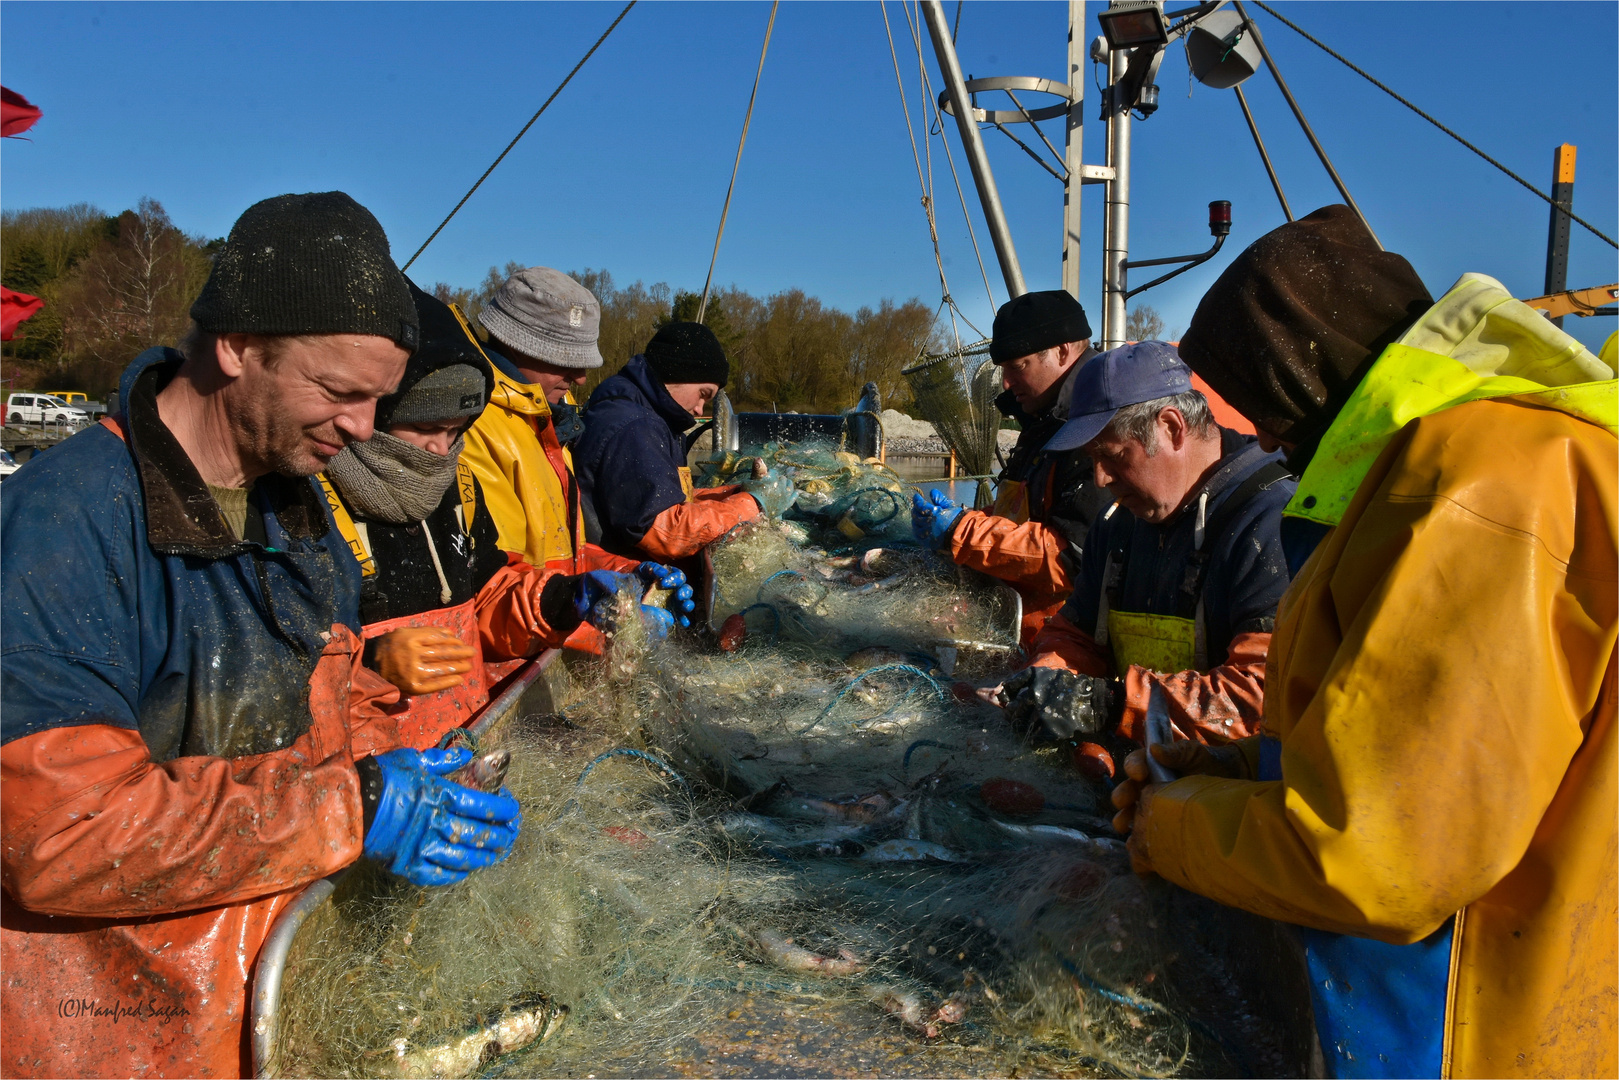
{"x":1035,"y":322}
{"x":687,"y":352}
{"x":447,"y":377}
{"x":307,"y":264}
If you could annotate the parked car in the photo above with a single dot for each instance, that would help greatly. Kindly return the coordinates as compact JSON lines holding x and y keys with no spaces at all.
{"x":33,"y":408}
{"x":70,"y":397}
{"x":8,"y":464}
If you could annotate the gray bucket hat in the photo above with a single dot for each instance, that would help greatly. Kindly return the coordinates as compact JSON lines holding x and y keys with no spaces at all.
{"x":546,"y":314}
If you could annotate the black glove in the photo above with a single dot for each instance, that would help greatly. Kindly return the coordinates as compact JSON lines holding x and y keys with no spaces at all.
{"x":1055,"y":704}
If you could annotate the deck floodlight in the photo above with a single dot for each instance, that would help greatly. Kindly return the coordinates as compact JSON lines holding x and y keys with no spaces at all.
{"x":1221,"y":50}
{"x":1129,"y":23}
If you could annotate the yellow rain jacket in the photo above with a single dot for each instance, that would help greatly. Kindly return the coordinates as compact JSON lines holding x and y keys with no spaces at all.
{"x":524,"y":478}
{"x":1442,"y":683}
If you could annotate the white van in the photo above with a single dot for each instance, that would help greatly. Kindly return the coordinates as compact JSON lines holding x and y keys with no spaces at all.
{"x":43,"y":409}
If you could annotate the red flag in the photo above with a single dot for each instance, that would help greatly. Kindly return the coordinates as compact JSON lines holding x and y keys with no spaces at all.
{"x":17,"y":115}
{"x":15,"y":309}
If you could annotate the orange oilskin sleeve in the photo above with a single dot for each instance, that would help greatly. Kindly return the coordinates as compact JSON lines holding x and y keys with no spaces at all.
{"x":1028,"y":556}
{"x":685,"y":529}
{"x":1220,"y":705}
{"x":90,"y":825}
{"x":595,"y":557}
{"x":99,"y":979}
{"x":1061,"y":644}
{"x":511,"y":622}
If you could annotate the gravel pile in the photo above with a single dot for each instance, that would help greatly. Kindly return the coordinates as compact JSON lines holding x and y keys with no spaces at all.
{"x":910,"y":436}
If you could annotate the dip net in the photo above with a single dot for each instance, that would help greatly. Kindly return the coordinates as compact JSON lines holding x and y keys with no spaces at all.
{"x":955,"y":392}
{"x":799,"y":846}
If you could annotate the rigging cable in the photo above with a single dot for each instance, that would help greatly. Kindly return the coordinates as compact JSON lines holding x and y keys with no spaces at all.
{"x":1322,"y":46}
{"x":520,"y":134}
{"x":702,"y":307}
{"x":938,"y":117}
{"x":1263,"y":156}
{"x":927,"y":196}
{"x":1304,"y":124}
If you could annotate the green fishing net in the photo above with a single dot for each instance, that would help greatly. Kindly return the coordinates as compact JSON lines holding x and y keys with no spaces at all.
{"x":799,"y":845}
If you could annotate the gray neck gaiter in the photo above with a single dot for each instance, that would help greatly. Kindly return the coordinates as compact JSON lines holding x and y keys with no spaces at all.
{"x":389,"y":479}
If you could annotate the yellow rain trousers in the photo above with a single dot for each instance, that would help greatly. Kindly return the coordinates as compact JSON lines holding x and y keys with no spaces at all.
{"x":1442,"y":683}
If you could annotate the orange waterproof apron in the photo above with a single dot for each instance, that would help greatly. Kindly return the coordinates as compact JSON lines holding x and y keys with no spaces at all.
{"x":424,"y":719}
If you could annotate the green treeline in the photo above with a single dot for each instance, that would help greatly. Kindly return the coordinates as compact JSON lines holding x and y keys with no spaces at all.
{"x":115,"y":285}
{"x":788,"y":351}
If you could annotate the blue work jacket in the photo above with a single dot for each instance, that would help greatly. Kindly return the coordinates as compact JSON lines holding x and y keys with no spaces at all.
{"x":630,"y":457}
{"x":128,"y":601}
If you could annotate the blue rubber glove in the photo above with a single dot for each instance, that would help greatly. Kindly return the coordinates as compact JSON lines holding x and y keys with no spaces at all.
{"x":596,"y":601}
{"x":774,"y":493}
{"x":933,"y":518}
{"x":681,"y":602}
{"x":594,"y":598}
{"x":431,"y":830}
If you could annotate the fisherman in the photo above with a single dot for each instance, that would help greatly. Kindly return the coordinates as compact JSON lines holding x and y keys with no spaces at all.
{"x":440,"y":599}
{"x":1433,"y":798}
{"x":632,"y":457}
{"x":1175,"y":602}
{"x":189,"y":736}
{"x":542,"y":329}
{"x":1045,"y":500}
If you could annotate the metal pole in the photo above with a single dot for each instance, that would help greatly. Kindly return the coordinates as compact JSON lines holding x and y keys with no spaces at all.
{"x":1558,"y":236}
{"x":1072,"y":155}
{"x":933,"y":12}
{"x":1118,"y":209}
{"x":1263,"y":156}
{"x":1298,"y":114}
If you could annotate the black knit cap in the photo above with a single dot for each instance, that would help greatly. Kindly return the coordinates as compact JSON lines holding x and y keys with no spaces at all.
{"x":307,"y":264}
{"x":687,"y":352}
{"x":447,"y":377}
{"x":1034,"y":322}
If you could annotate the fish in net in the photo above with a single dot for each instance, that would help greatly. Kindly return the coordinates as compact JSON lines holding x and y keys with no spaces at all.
{"x":955,"y":391}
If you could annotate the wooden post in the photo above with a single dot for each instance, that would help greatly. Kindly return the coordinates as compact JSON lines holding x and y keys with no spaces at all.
{"x":952,"y":463}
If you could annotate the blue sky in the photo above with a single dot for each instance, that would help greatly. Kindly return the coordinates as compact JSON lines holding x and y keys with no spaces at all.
{"x":209,"y":107}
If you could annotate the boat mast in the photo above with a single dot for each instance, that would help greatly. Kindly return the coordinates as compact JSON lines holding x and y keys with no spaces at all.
{"x":1073,"y":158}
{"x":973,"y":141}
{"x":1116,"y":227}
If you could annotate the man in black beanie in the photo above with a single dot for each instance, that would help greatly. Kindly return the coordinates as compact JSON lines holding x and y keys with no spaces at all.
{"x":189,"y":737}
{"x":1045,"y":502}
{"x":631,"y":460}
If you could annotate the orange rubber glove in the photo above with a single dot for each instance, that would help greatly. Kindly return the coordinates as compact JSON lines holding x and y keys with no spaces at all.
{"x":422,"y":659}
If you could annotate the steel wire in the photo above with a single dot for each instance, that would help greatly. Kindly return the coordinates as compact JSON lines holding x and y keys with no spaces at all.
{"x":1369,"y":78}
{"x":520,"y":134}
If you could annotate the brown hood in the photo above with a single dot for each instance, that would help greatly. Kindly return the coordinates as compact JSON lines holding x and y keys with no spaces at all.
{"x":1292,"y":325}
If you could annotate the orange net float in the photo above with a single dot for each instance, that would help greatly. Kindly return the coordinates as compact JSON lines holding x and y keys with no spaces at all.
{"x":1093,"y":761}
{"x":1011,"y":796}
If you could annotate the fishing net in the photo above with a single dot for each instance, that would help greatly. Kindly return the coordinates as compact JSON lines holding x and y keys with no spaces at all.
{"x":862,"y":499}
{"x":799,"y":849}
{"x":955,"y":392}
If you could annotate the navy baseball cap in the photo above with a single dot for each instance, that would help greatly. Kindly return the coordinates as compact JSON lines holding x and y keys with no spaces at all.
{"x":1145,"y":371}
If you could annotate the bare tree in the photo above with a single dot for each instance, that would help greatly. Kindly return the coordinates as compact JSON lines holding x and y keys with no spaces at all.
{"x":134,"y":290}
{"x":1143,"y":323}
